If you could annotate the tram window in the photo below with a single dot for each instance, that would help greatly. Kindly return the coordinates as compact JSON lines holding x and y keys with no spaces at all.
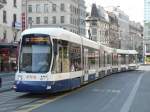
{"x":61,"y":57}
{"x":75,"y":57}
{"x":102,"y":59}
{"x":127,"y":59}
{"x":132,"y":58}
{"x":97,"y":58}
{"x":112,"y":59}
{"x":109,"y":59}
{"x":91,"y":58}
{"x":35,"y":55}
{"x":123,"y":59}
{"x":115,"y":59}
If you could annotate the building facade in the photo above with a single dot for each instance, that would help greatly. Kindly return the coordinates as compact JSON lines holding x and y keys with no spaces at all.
{"x":10,"y":22}
{"x":97,"y":25}
{"x":10,"y":29}
{"x":67,"y":14}
{"x":136,"y":38}
{"x":114,"y":40}
{"x":123,"y":21}
{"x":147,"y":31}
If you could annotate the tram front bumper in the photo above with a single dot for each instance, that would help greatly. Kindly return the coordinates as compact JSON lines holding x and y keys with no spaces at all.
{"x":31,"y":86}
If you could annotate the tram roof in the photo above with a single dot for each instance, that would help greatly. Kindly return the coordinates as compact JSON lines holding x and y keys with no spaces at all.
{"x":57,"y":33}
{"x":132,"y":52}
{"x":62,"y":34}
{"x":107,"y":49}
{"x":121,"y":51}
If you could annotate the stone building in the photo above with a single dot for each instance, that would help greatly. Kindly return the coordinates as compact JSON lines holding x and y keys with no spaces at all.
{"x":123,"y":21}
{"x":10,"y":22}
{"x":147,"y":31}
{"x":136,"y":38}
{"x":10,"y":29}
{"x":114,"y":40}
{"x":97,"y":25}
{"x":67,"y":14}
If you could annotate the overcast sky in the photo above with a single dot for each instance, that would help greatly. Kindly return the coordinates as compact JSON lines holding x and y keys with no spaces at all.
{"x":133,"y":8}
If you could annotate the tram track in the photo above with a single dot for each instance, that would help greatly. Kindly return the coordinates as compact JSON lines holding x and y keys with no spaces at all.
{"x":12,"y":101}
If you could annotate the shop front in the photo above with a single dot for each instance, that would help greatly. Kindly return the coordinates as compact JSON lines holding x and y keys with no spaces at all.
{"x":8,"y":57}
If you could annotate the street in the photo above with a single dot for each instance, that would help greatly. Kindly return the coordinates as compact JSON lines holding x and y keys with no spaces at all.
{"x":121,"y":92}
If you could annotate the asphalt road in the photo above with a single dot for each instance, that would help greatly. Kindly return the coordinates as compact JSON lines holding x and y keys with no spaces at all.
{"x":7,"y":81}
{"x":122,"y":92}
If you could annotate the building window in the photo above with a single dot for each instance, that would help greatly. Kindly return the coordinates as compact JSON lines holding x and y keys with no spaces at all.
{"x":45,"y":20}
{"x":4,"y":17}
{"x":29,"y":20}
{"x":4,"y":36}
{"x":54,"y":19}
{"x":30,"y":8}
{"x":38,"y":9}
{"x":14,"y":17}
{"x":62,"y":7}
{"x":45,"y":8}
{"x":14,"y":20}
{"x":37,"y":20}
{"x":54,"y":7}
{"x":15,"y":3}
{"x":94,"y":31}
{"x":62,"y":19}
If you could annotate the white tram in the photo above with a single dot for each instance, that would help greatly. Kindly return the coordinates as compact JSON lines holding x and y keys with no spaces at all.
{"x":54,"y":60}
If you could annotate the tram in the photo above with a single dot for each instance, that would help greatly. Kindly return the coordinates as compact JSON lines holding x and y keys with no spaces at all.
{"x":54,"y":60}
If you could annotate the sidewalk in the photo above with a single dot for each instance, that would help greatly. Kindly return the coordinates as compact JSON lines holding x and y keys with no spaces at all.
{"x":7,"y":81}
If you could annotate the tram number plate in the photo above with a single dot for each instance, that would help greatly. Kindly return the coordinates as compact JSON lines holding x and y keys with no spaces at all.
{"x":31,"y":77}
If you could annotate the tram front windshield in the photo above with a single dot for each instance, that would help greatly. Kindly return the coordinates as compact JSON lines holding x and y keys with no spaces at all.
{"x":35,"y":55}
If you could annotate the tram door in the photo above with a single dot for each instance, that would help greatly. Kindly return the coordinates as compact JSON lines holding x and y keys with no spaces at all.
{"x":85,"y":64}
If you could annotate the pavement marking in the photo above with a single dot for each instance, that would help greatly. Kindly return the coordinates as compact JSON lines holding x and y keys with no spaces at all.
{"x":43,"y":102}
{"x":106,"y":90}
{"x":126,"y":106}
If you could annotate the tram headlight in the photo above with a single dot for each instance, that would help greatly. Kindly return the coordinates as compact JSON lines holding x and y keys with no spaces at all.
{"x":19,"y":78}
{"x":14,"y":87}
